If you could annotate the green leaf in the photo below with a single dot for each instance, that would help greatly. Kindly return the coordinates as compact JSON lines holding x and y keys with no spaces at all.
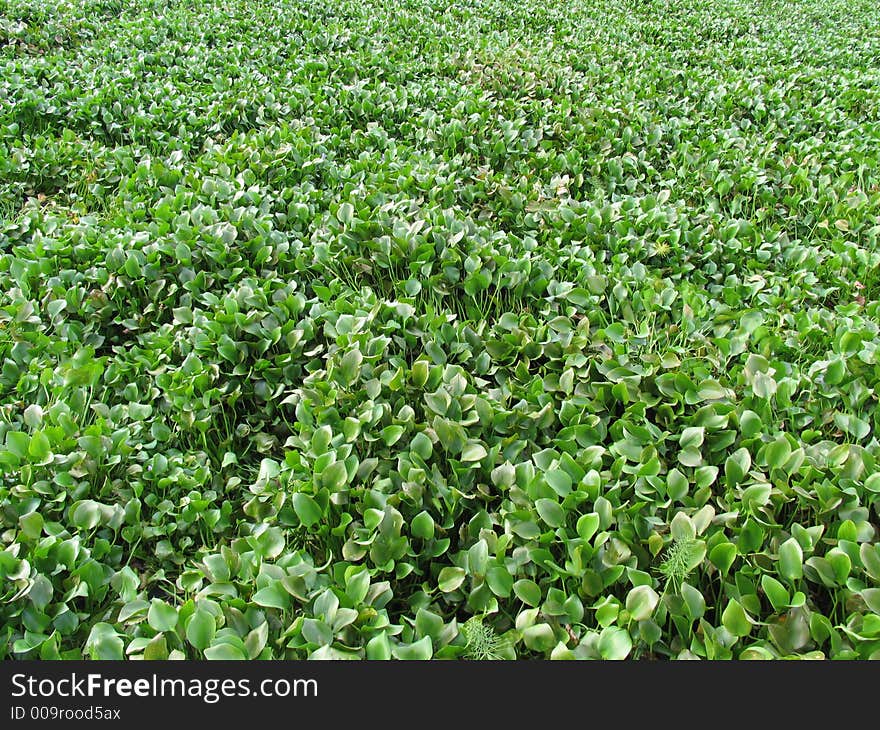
{"x":677,"y":484}
{"x":200,"y":629}
{"x":694,"y":601}
{"x":256,"y":640}
{"x":357,"y":584}
{"x":450,"y":579}
{"x":419,"y":373}
{"x":31,"y":525}
{"x":559,"y":481}
{"x":755,"y":497}
{"x":225,"y":652}
{"x":17,"y":443}
{"x":478,"y":558}
{"x":504,"y":475}
{"x":422,"y":446}
{"x":735,"y":620}
{"x":272,"y":596}
{"x":131,"y":267}
{"x":722,"y":556}
{"x":350,"y":365}
{"x":852,"y":425}
{"x":428,"y":623}
{"x":777,"y":453}
{"x":737,"y":465}
{"x":500,"y":581}
{"x":391,"y":434}
{"x":345,"y":213}
{"x":420,"y":650}
{"x":692,"y":437}
{"x":40,"y":447}
{"x":473,"y":452}
{"x":822,"y":569}
{"x":317,"y":632}
{"x":870,"y":557}
{"x":750,"y":424}
{"x":550,"y":512}
{"x":539,"y":637}
{"x":763,"y":386}
{"x":157,"y":649}
{"x":379,"y":648}
{"x":690,"y":457}
{"x":614,"y":643}
{"x":791,"y":560}
{"x":422,"y":526}
{"x":775,"y":592}
{"x":104,"y":643}
{"x":334,"y":478}
{"x":216,"y":568}
{"x":682,"y":527}
{"x":641,"y":602}
{"x":307,"y":509}
{"x":33,"y":416}
{"x":527,"y":591}
{"x":133,"y":608}
{"x":587,"y":525}
{"x":40,"y":592}
{"x":161,"y":616}
{"x":871,"y":597}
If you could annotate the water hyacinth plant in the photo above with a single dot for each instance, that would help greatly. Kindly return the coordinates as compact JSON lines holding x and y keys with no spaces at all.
{"x":439,"y":330}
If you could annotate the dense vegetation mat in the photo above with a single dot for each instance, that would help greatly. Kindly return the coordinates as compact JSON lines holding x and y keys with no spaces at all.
{"x":439,"y":329}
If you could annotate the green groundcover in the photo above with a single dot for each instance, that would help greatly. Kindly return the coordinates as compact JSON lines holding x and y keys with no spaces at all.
{"x":430,"y":329}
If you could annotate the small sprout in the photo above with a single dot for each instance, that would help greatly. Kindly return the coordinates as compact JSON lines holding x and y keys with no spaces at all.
{"x":482,"y":643}
{"x":661,"y":249}
{"x":679,"y":560}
